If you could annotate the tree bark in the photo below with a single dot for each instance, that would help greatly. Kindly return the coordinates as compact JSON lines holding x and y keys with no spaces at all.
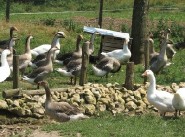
{"x":7,"y":10}
{"x":129,"y":79}
{"x":139,"y":30}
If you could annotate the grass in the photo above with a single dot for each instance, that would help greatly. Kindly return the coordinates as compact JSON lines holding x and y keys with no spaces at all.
{"x":107,"y":125}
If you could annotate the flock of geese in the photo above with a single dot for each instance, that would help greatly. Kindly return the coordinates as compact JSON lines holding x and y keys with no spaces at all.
{"x":108,"y":62}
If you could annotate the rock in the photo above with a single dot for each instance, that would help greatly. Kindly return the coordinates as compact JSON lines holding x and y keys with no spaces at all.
{"x":142,"y":92}
{"x":90,"y":99}
{"x":89,"y":109}
{"x":174,"y":87}
{"x":39,"y":110}
{"x":181,"y":84}
{"x":137,"y":95}
{"x":18,"y":110}
{"x":96,"y":93}
{"x":146,"y":101}
{"x":3,"y":104}
{"x":104,"y":100}
{"x":15,"y":103}
{"x":100,"y":106}
{"x":108,"y":85}
{"x":130,"y":105}
{"x":9,"y":102}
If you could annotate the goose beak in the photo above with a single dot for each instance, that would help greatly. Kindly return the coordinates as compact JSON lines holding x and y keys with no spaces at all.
{"x":144,"y":74}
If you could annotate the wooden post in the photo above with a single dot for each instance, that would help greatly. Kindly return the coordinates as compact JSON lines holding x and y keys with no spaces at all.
{"x":15,"y":71}
{"x":146,"y":49}
{"x":85,"y":62}
{"x":7,"y":10}
{"x":100,"y":14}
{"x":129,"y":79}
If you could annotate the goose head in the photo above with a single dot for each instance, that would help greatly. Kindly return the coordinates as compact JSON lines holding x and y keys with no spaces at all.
{"x":147,"y":73}
{"x":60,"y":34}
{"x":12,"y":29}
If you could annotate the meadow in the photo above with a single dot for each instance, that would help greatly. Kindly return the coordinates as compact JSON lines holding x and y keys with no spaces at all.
{"x":43,"y":27}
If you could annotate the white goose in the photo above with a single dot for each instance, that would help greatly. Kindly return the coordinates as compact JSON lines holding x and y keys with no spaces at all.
{"x":60,"y":111}
{"x":25,"y":58}
{"x":42,"y":49}
{"x":4,"y":69}
{"x":162,"y":100}
{"x":178,"y":101}
{"x":123,"y":55}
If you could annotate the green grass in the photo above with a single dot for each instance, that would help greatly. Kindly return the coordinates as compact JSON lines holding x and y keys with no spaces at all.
{"x":107,"y":125}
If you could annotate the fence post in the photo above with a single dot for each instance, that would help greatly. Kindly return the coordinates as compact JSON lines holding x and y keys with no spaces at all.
{"x":15,"y":71}
{"x":129,"y":79}
{"x":85,"y":62}
{"x":7,"y":10}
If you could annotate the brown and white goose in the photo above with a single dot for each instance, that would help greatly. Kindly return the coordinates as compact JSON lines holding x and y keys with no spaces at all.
{"x":106,"y":65}
{"x":64,"y":59}
{"x":40,"y":59}
{"x":4,"y":44}
{"x":170,"y":51}
{"x":60,"y":111}
{"x":41,"y":72}
{"x":10,"y":47}
{"x":41,"y":51}
{"x":72,"y":69}
{"x":161,"y":60}
{"x":25,"y":58}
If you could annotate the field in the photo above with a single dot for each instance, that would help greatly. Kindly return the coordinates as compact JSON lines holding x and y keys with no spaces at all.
{"x":43,"y":27}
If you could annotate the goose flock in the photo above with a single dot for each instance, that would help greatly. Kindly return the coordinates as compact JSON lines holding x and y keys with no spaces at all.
{"x":42,"y":58}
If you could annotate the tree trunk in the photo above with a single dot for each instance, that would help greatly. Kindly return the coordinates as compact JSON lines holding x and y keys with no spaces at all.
{"x":139,"y":30}
{"x":7,"y":10}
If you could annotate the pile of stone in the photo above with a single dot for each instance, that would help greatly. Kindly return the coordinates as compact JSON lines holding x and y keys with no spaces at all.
{"x":90,"y":98}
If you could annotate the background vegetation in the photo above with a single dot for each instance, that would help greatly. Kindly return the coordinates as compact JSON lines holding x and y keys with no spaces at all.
{"x":43,"y":26}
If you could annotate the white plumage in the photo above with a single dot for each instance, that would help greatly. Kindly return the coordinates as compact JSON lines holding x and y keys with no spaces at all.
{"x":4,"y":69}
{"x":162,"y":100}
{"x":46,"y":47}
{"x":123,"y":55}
{"x":179,"y":100}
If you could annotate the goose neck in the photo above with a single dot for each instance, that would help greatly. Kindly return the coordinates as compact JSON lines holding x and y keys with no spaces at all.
{"x":152,"y":85}
{"x":48,"y":93}
{"x":78,"y":44}
{"x":27,"y":47}
{"x":55,"y":42}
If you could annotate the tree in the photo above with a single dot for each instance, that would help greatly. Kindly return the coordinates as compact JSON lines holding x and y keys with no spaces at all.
{"x":139,"y":30}
{"x":7,"y":10}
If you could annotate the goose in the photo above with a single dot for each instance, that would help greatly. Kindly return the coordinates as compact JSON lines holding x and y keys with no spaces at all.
{"x":178,"y":101}
{"x":41,"y":72}
{"x":4,"y":43}
{"x":161,"y":60}
{"x":25,"y":58}
{"x":162,"y":100}
{"x":106,"y":65}
{"x":42,"y":49}
{"x":10,"y":47}
{"x":60,"y":111}
{"x":152,"y":52}
{"x":40,"y":59}
{"x":123,"y":55}
{"x":72,"y":69}
{"x":170,"y":51}
{"x":4,"y":69}
{"x":180,"y":45}
{"x":63,"y":59}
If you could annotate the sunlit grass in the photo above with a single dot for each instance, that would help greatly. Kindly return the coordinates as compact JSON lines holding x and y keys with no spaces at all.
{"x":107,"y":125}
